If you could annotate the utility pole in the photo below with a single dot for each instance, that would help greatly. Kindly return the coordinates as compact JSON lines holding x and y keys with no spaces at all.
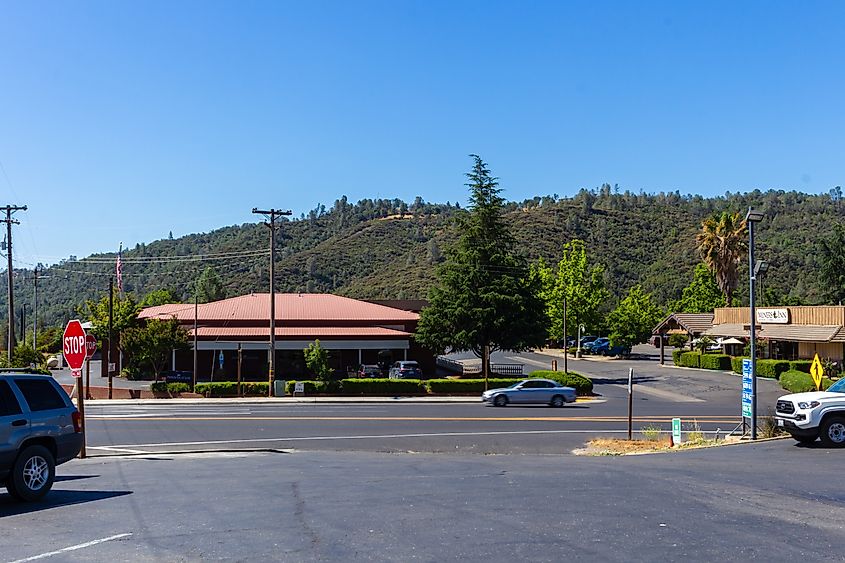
{"x":35,"y":311}
{"x":111,"y":323}
{"x":23,"y":321}
{"x":272,"y":215}
{"x":9,"y":210}
{"x":565,"y":340}
{"x":196,"y":310}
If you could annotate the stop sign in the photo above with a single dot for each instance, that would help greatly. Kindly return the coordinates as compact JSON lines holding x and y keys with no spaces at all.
{"x":90,"y":345}
{"x":73,"y":345}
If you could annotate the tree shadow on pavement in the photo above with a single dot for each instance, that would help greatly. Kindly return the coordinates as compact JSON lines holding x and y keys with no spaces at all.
{"x":54,"y":499}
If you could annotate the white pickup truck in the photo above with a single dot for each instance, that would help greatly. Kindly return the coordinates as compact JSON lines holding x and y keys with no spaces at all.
{"x":818,"y":414}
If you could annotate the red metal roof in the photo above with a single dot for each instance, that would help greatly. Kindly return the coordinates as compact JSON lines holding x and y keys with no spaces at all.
{"x":289,"y":307}
{"x":305,"y":332}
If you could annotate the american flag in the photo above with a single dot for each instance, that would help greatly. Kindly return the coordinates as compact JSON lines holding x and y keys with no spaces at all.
{"x":119,"y":270}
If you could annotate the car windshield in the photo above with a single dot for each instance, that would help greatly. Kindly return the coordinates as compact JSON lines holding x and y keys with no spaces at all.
{"x":838,"y":387}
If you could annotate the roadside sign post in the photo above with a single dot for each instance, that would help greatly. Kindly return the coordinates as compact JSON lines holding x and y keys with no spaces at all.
{"x":90,"y":349}
{"x":747,"y":394}
{"x":75,"y":352}
{"x":240,"y":360}
{"x":817,"y":371}
{"x":676,"y":431}
{"x":630,"y":403}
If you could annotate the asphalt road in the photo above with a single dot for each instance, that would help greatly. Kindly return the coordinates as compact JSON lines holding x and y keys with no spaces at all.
{"x":702,"y":399}
{"x":768,"y":502}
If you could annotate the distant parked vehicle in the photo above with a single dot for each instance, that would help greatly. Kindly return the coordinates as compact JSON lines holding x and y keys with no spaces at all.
{"x":39,"y":429}
{"x":369,"y":370}
{"x":530,"y":391}
{"x":592,"y":347}
{"x":587,"y":340}
{"x":605,"y":349}
{"x":405,"y":369}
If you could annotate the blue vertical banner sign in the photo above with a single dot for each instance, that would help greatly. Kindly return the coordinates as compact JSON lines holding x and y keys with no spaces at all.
{"x":220,"y":358}
{"x":746,"y":388}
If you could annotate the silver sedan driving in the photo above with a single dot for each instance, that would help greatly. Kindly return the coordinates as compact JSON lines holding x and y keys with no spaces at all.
{"x":530,"y":391}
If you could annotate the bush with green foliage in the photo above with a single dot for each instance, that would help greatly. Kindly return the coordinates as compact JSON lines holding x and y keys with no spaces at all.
{"x":771,"y":369}
{"x":310,"y":387}
{"x":736,"y":363}
{"x":465,"y":386}
{"x":24,"y":356}
{"x":800,"y":365}
{"x":172,"y":388}
{"x":676,"y":357}
{"x":678,"y":340}
{"x":691,"y":359}
{"x":796,"y":381}
{"x":255,"y":388}
{"x":715,"y":361}
{"x":379,"y":386}
{"x":583,"y":385}
{"x":217,"y":389}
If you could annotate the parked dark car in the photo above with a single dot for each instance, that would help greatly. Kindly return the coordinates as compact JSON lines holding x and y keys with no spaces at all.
{"x":406,"y":369}
{"x":40,"y":428}
{"x":605,"y":349}
{"x":591,"y":347}
{"x":369,"y":370}
{"x":587,"y":340}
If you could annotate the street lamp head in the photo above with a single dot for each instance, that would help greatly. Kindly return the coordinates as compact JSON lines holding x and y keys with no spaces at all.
{"x":760,"y":268}
{"x":754,"y":216}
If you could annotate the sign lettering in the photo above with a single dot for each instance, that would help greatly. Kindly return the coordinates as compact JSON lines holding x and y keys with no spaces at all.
{"x":772,"y":316}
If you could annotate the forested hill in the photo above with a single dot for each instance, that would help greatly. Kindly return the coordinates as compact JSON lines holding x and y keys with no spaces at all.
{"x":387,"y":249}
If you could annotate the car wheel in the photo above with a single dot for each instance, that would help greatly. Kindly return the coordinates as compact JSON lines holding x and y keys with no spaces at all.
{"x":833,"y":432}
{"x":805,"y":440}
{"x":33,"y":473}
{"x":500,"y":401}
{"x":558,"y":401}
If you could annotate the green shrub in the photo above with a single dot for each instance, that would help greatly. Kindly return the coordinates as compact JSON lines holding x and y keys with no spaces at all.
{"x":311,"y":387}
{"x":381,"y":386}
{"x":771,"y":369}
{"x":217,"y":389}
{"x":465,"y":386}
{"x":736,"y":363}
{"x":796,"y":381}
{"x":676,"y":357}
{"x":583,"y":385}
{"x":254,"y":388}
{"x":715,"y":361}
{"x":678,"y":340}
{"x":800,"y":365}
{"x":172,"y":388}
{"x":691,"y":359}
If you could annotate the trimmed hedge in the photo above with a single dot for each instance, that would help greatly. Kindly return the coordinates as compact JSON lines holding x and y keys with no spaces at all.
{"x":736,"y":363}
{"x":771,"y":369}
{"x":691,"y":359}
{"x":217,"y":389}
{"x":172,"y":388}
{"x":796,"y":381}
{"x":583,"y":385}
{"x":465,"y":386}
{"x":800,"y":365}
{"x":676,"y":357}
{"x":254,"y":388}
{"x":376,"y":386}
{"x":310,"y":387}
{"x":715,"y":361}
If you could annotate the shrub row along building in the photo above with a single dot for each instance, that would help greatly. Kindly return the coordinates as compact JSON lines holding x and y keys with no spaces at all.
{"x":354,"y":332}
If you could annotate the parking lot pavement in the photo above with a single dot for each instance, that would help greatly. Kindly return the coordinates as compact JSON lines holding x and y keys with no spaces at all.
{"x":704,"y":505}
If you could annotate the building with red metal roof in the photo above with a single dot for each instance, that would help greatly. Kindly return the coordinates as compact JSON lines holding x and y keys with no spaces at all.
{"x":354,"y":332}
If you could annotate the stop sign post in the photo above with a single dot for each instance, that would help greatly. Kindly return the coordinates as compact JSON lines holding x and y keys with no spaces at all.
{"x":75,"y":349}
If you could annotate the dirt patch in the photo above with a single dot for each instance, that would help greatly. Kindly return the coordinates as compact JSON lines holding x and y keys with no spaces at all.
{"x":615,"y":446}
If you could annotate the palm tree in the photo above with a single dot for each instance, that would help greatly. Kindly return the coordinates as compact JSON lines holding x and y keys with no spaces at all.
{"x":721,"y":244}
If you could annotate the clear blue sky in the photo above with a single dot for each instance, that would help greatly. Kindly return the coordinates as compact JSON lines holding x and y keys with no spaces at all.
{"x":126,"y":120}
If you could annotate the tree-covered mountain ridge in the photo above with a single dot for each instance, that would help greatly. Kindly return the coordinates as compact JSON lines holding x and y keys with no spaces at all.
{"x":388,"y":249}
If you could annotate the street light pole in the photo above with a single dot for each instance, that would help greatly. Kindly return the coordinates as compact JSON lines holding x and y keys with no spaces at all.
{"x":750,"y":218}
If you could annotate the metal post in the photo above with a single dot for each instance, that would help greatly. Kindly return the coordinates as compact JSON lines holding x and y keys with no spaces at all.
{"x":80,"y":402}
{"x":111,"y":334}
{"x":565,"y":341}
{"x":271,"y":376}
{"x":630,"y":403}
{"x":752,"y":331}
{"x":662,"y":352}
{"x":88,"y":378}
{"x":240,"y":359}
{"x":196,"y":311}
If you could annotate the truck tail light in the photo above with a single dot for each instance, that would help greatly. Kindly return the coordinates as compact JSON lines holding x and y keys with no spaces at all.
{"x":77,"y":422}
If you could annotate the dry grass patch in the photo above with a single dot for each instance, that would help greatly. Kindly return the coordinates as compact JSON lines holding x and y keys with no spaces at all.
{"x":617,"y":446}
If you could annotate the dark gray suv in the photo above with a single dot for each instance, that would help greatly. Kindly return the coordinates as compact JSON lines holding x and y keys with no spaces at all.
{"x":40,"y":428}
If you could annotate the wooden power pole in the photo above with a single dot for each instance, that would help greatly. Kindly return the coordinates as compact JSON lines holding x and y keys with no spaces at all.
{"x":9,"y":210}
{"x":272,"y":215}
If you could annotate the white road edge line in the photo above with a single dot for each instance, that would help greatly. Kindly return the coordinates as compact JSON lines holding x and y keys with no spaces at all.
{"x":72,"y":548}
{"x":115,"y":449}
{"x":364,"y":437}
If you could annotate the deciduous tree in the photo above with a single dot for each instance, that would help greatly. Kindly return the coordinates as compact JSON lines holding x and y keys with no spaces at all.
{"x":633,"y":319}
{"x":153,"y":343}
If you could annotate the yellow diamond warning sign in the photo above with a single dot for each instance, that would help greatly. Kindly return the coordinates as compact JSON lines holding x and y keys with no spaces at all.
{"x":817,"y":371}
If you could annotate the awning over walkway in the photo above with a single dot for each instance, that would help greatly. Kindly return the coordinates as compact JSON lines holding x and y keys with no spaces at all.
{"x":792,"y":333}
